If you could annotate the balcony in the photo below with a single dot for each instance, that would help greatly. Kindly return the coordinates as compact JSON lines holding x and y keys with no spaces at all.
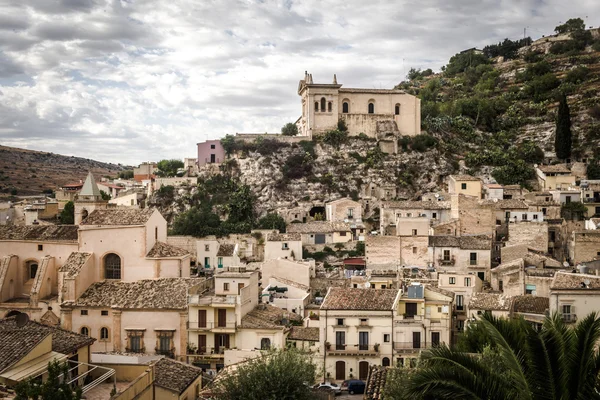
{"x":447,"y":261}
{"x":569,"y":318}
{"x":355,"y":349}
{"x":207,"y":353}
{"x":591,"y":200}
{"x":167,"y":353}
{"x":409,"y":319}
{"x":472,"y":262}
{"x":212,"y":326}
{"x":409,"y":347}
{"x":364,"y":324}
{"x":212,"y":300}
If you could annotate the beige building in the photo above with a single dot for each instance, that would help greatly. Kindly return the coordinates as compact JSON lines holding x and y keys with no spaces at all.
{"x":464,"y":184}
{"x":393,"y":213}
{"x":584,"y":246}
{"x":283,"y":245}
{"x":517,"y":277}
{"x":88,"y":199}
{"x":590,"y":194}
{"x":322,"y":232}
{"x":356,"y":330}
{"x":574,"y":296}
{"x":348,"y":211}
{"x":374,"y":112}
{"x":557,"y":176}
{"x":462,"y":254}
{"x":211,"y":254}
{"x":391,"y":252}
{"x":463,"y":285}
{"x":533,"y":233}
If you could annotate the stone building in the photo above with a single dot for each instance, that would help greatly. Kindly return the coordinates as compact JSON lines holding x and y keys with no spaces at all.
{"x":462,"y":254}
{"x":584,"y":246}
{"x":557,"y":176}
{"x":464,"y":184}
{"x":88,"y":199}
{"x":374,"y":112}
{"x":574,"y":296}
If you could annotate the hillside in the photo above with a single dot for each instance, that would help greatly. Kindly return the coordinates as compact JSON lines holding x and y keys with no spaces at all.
{"x":28,"y":172}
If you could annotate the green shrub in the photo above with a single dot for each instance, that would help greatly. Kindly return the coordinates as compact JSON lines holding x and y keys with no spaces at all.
{"x":540,"y":87}
{"x":341,"y":126}
{"x":532,"y":56}
{"x":335,"y":138}
{"x":423,"y":142}
{"x":513,"y":173}
{"x":289,"y":129}
{"x":577,"y":75}
{"x":297,"y":166}
{"x":460,"y":62}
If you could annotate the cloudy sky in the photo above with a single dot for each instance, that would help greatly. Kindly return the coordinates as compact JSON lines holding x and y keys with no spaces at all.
{"x":134,"y":80}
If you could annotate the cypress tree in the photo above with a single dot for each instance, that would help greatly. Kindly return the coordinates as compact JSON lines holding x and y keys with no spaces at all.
{"x":563,"y":139}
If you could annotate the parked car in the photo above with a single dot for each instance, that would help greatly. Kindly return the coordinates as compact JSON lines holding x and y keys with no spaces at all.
{"x":329,"y":386}
{"x":353,"y":386}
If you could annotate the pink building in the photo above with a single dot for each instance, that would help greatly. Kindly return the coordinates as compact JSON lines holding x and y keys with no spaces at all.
{"x":210,"y":152}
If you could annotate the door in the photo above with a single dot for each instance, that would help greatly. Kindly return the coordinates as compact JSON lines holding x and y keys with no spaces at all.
{"x":212,"y":159}
{"x":363,"y":340}
{"x":411,"y":310}
{"x":221,"y":342}
{"x":206,"y":262}
{"x":340,"y":370}
{"x":340,"y":340}
{"x":201,"y":318}
{"x":319,"y":239}
{"x":201,"y":344}
{"x":222,"y":318}
{"x":240,"y":287}
{"x":363,"y":370}
{"x":416,"y":340}
{"x":435,"y":339}
{"x":481,"y":275}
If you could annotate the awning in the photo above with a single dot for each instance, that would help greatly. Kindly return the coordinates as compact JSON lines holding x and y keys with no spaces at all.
{"x":33,"y":367}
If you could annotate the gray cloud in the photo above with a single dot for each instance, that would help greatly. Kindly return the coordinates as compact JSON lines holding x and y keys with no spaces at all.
{"x":129,"y":81}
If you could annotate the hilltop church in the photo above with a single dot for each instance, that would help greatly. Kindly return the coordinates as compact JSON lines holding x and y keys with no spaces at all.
{"x":374,"y":112}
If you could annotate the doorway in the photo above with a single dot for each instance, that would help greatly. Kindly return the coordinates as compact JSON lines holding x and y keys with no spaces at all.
{"x":340,"y":370}
{"x":363,"y":370}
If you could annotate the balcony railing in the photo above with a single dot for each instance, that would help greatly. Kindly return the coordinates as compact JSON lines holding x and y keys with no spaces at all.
{"x":207,"y":351}
{"x":569,"y":317}
{"x":410,"y":346}
{"x":446,"y":261}
{"x":472,"y":262}
{"x":364,"y":323}
{"x":211,"y":325}
{"x":168,"y":353}
{"x":207,"y":300}
{"x":591,"y":200}
{"x":353,"y":348}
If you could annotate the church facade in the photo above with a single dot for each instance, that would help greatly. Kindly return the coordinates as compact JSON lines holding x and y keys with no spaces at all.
{"x":375,"y":112}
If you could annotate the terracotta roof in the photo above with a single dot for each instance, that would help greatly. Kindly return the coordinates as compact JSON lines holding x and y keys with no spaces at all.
{"x":417,"y":205}
{"x":543,"y":203}
{"x":265,"y":316}
{"x":14,"y":345}
{"x":465,"y":178}
{"x":163,"y":293}
{"x":39,"y":233}
{"x":290,"y":282}
{"x":28,"y":336}
{"x":493,"y":186}
{"x":73,"y":264}
{"x":571,"y":281}
{"x":504,"y":204}
{"x":303,"y":333}
{"x":359,"y":299}
{"x":318,"y":227}
{"x":376,"y":381}
{"x":175,"y":375}
{"x":226,"y":250}
{"x":531,"y":304}
{"x":557,"y":168}
{"x":478,"y":242}
{"x":283,"y":237}
{"x":119,"y":216}
{"x":164,"y":250}
{"x":440,"y":291}
{"x":490,"y":301}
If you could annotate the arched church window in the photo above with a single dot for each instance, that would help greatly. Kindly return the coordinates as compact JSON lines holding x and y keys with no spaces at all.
{"x":345,"y":107}
{"x":329,"y":106}
{"x":316,"y":106}
{"x":32,"y":267}
{"x":112,"y":266}
{"x":323,"y":101}
{"x":397,"y":109}
{"x":371,"y":108}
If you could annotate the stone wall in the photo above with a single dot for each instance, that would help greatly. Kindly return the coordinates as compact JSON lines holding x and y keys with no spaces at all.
{"x":382,"y":252}
{"x":183,"y":242}
{"x":585,"y":246}
{"x":534,"y":234}
{"x":473,"y":218}
{"x":321,"y":285}
{"x":414,"y":250}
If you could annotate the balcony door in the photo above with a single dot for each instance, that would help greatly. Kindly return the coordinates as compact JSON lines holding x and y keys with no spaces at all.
{"x":363,"y":340}
{"x":363,"y":370}
{"x":201,"y":344}
{"x":411,"y":310}
{"x":222,"y":318}
{"x":340,"y":340}
{"x":201,"y":318}
{"x":416,"y":340}
{"x":221,"y":342}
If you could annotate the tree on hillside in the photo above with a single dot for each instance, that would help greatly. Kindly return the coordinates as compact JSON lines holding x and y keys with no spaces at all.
{"x":67,"y":215}
{"x":516,"y":362}
{"x":272,"y":221}
{"x":53,"y":388}
{"x":127,"y":174}
{"x":277,"y":374}
{"x":105,"y":196}
{"x":593,"y":169}
{"x":572,"y":25}
{"x":289,"y":129}
{"x":228,"y":143}
{"x":168,"y":168}
{"x":563,"y":139}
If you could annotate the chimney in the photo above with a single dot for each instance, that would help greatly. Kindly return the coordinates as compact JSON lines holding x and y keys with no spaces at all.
{"x":334,"y":79}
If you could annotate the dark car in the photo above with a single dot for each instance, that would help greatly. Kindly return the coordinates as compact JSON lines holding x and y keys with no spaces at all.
{"x":354,"y":386}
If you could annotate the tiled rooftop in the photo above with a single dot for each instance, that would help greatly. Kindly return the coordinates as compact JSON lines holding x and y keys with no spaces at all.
{"x":571,"y":281}
{"x":376,"y":381}
{"x":505,"y":204}
{"x":265,"y":316}
{"x":73,"y":264}
{"x":119,"y":216}
{"x":303,"y":333}
{"x":283,"y":237}
{"x":557,"y":168}
{"x":359,"y":299}
{"x":490,"y":301}
{"x":531,"y":304}
{"x":417,"y":205}
{"x":318,"y":227}
{"x":465,"y":178}
{"x":14,"y":345}
{"x":226,"y":250}
{"x":163,"y":293}
{"x":478,"y":242}
{"x":67,"y":233}
{"x":164,"y":250}
{"x":175,"y":375}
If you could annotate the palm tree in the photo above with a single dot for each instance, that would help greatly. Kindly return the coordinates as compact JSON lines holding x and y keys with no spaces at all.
{"x":517,"y":362}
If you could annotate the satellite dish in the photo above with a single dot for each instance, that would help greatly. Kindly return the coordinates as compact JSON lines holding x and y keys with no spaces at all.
{"x":436,"y":195}
{"x":21,"y":319}
{"x":566,"y":264}
{"x":368,"y":284}
{"x":587,"y":282}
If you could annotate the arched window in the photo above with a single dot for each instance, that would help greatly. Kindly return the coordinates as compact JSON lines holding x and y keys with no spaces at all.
{"x":371,"y":107}
{"x":85,"y":331}
{"x":345,"y":107}
{"x":323,"y":104}
{"x":112,"y":266}
{"x":397,"y":109}
{"x":103,"y":333}
{"x":84,"y":214}
{"x":316,"y":106}
{"x":265,"y":344}
{"x":385,"y":362}
{"x":32,"y":267}
{"x":329,"y":106}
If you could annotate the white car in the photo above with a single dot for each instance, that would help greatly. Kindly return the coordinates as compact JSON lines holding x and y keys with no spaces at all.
{"x":331,"y":386}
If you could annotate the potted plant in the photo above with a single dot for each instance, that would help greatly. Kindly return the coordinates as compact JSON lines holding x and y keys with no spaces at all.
{"x":327,"y":345}
{"x":376,"y":346}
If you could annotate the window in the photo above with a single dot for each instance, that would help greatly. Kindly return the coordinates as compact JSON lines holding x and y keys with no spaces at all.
{"x":84,"y":331}
{"x":363,"y":340}
{"x":460,"y":302}
{"x":434,"y":215}
{"x":284,"y":246}
{"x":371,"y":108}
{"x":104,"y":312}
{"x":135,"y":341}
{"x":524,"y":217}
{"x":386,"y":338}
{"x":383,"y":286}
{"x":32,"y":267}
{"x":226,"y":287}
{"x":397,"y":109}
{"x":500,"y":286}
{"x":156,"y":233}
{"x":84,"y":312}
{"x":40,"y":247}
{"x":446,"y":255}
{"x":411,"y":310}
{"x":414,"y":250}
{"x":165,"y":343}
{"x":473,"y":258}
{"x":351,"y":213}
{"x":342,"y":233}
{"x":206,"y":247}
{"x":212,"y":146}
{"x":345,"y":107}
{"x":112,"y":266}
{"x":340,"y":340}
{"x":567,"y":199}
{"x":468,"y":282}
{"x":566,"y":309}
{"x":104,"y":334}
{"x":409,"y":215}
{"x":463,"y":186}
{"x":220,"y":262}
{"x":330,"y":107}
{"x":530,"y":289}
{"x":414,"y":232}
{"x":535,"y":216}
{"x":323,"y":104}
{"x":316,"y":106}
{"x":385,"y":362}
{"x":265,"y":344}
{"x":452,"y":280}
{"x":340,"y":322}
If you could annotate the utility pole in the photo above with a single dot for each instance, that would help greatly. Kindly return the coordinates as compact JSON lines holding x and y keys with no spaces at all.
{"x":524,"y":32}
